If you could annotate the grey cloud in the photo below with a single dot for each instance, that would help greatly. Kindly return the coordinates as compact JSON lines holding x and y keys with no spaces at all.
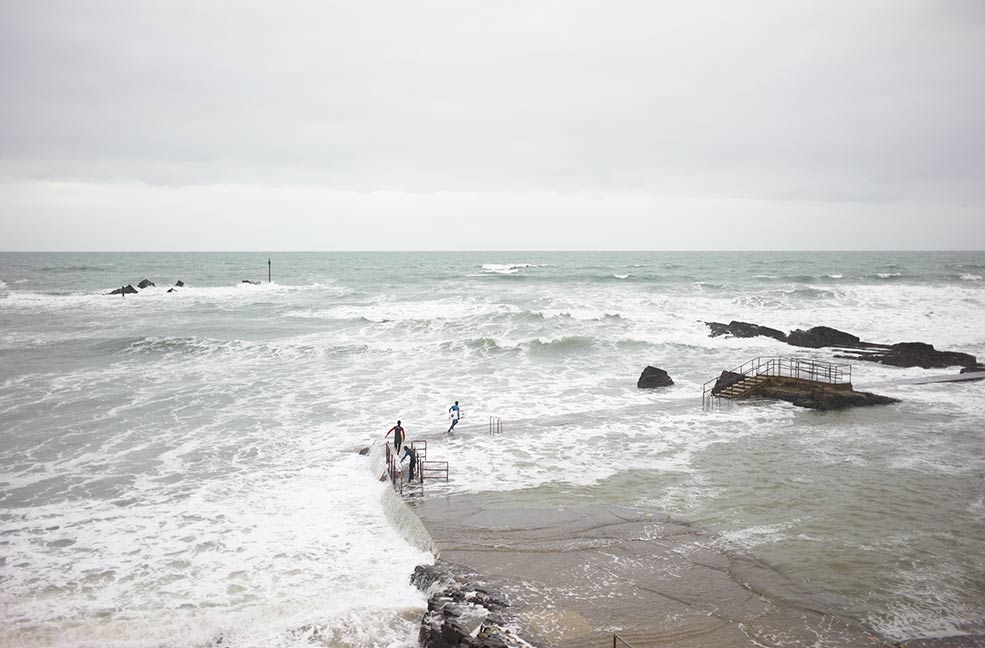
{"x":795,"y":101}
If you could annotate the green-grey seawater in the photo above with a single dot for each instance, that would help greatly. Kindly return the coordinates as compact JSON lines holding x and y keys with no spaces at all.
{"x":179,"y":467}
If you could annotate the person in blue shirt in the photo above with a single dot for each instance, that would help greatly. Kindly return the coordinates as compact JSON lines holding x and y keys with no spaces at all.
{"x":456,"y":414}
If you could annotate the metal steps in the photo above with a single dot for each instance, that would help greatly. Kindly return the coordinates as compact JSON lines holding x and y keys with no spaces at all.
{"x":744,"y":387}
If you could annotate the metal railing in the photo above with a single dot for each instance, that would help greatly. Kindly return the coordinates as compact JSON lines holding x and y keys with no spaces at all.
{"x":423,"y":467}
{"x":616,"y":640}
{"x":434,"y":470}
{"x":786,"y":367}
{"x":495,"y":425}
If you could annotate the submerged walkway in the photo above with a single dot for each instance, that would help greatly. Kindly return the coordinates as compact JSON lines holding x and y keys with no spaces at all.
{"x":574,"y":574}
{"x":928,"y":380}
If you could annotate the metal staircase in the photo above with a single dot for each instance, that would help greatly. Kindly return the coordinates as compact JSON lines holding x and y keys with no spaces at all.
{"x":752,"y":376}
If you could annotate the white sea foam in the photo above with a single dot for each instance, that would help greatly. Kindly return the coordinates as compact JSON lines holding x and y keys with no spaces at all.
{"x":218,"y":423}
{"x":510,"y":268}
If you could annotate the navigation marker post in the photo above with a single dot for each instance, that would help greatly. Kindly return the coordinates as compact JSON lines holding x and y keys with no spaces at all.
{"x":268,"y":270}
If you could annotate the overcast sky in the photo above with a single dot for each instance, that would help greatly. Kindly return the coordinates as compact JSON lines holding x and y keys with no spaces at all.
{"x":705,"y":124}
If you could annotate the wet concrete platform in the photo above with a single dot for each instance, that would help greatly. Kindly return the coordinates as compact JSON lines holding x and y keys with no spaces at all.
{"x":575,"y":575}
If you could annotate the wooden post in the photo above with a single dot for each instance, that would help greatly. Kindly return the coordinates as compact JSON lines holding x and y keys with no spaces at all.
{"x":268,"y":270}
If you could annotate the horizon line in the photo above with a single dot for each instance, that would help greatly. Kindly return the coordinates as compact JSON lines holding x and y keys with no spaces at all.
{"x":490,"y":251}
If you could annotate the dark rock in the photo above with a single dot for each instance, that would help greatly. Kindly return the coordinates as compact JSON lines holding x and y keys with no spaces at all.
{"x":919,"y":354}
{"x":255,"y":283}
{"x":145,"y":283}
{"x":717,"y":329}
{"x":180,"y":283}
{"x":822,"y":336}
{"x":914,"y":354}
{"x":820,"y":396}
{"x":125,"y":290}
{"x":171,"y":290}
{"x":456,"y":604}
{"x":744,"y":330}
{"x":653,"y":377}
{"x":726,"y":380}
{"x":364,"y":451}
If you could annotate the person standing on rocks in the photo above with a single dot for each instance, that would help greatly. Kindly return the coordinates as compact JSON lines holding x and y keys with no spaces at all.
{"x":456,"y":414}
{"x":398,"y":435}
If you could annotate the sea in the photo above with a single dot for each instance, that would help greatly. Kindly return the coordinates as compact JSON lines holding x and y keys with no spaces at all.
{"x":180,"y":468}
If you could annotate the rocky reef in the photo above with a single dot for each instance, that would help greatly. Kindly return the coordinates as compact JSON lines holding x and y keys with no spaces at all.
{"x":851,"y":347}
{"x":819,"y":396}
{"x":462,"y":611}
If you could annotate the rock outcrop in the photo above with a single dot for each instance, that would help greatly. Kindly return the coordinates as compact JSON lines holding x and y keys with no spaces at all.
{"x":744,"y":330}
{"x":652,"y":377}
{"x":824,"y":397}
{"x":125,"y":290}
{"x":822,"y":336}
{"x":904,"y":354}
{"x":803,"y":393}
{"x":255,"y":283}
{"x":461,"y":612}
{"x":179,"y":284}
{"x":912,"y":354}
{"x":726,"y":380}
{"x":144,"y":283}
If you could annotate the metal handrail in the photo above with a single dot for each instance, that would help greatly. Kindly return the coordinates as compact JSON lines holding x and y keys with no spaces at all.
{"x":782,"y":366}
{"x":616,"y":638}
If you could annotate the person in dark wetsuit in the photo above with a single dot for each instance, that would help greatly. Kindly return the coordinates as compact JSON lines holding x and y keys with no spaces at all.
{"x":456,"y":414}
{"x":398,"y":435}
{"x":410,"y":454}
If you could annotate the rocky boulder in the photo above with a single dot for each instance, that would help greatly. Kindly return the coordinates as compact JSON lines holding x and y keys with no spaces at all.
{"x":125,"y":290}
{"x":913,"y":354}
{"x":822,"y":336}
{"x":144,"y":283}
{"x":919,"y":354}
{"x":179,"y":284}
{"x":832,"y":399}
{"x":652,"y":377}
{"x":726,"y":380}
{"x":462,"y":613}
{"x":744,"y":330}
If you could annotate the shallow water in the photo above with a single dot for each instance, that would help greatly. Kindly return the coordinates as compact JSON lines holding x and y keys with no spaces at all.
{"x":178,"y":468}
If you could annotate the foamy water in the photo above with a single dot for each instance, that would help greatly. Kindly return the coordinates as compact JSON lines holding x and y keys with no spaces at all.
{"x":178,"y":469}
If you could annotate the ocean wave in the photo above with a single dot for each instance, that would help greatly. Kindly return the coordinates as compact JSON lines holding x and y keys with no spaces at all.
{"x":630,"y":344}
{"x":79,"y":268}
{"x":810,"y":293}
{"x":568,"y":344}
{"x":509,"y":268}
{"x":967,"y":276}
{"x":889,"y":275}
{"x":620,"y":276}
{"x":486,"y":345}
